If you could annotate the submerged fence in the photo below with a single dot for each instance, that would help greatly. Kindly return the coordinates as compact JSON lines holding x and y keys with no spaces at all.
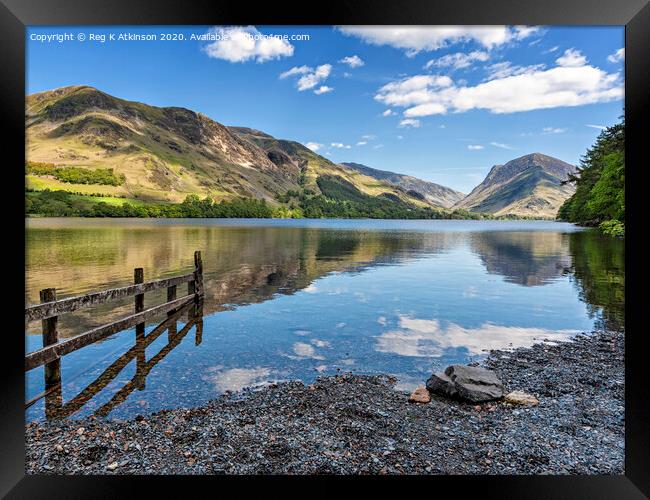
{"x":49,"y":310}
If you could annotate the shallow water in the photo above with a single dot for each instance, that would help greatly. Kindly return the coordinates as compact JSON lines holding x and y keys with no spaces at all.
{"x":294,"y":299}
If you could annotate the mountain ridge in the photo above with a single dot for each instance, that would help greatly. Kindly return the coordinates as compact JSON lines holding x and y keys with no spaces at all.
{"x":530,"y":185}
{"x":167,"y":153}
{"x":435,"y":193}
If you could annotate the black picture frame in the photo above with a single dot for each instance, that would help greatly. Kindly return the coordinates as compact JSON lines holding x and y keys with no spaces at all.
{"x":15,"y":15}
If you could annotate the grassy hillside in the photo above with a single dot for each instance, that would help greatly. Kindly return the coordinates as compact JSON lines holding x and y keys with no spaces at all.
{"x":431,"y":192}
{"x":162,"y":155}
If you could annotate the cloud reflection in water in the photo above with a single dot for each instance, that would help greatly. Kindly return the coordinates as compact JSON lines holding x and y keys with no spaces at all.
{"x":428,"y":338}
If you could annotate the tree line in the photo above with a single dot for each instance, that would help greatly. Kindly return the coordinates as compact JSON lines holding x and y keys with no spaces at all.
{"x":599,"y":199}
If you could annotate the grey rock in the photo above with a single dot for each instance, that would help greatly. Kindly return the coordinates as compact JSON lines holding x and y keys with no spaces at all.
{"x":468,"y":383}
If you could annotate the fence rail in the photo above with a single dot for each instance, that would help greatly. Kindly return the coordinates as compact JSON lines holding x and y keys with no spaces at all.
{"x":50,"y":309}
{"x":71,"y":304}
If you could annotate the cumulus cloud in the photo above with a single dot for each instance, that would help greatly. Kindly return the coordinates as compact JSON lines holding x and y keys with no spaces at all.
{"x":310,"y":77}
{"x":314,"y":146}
{"x":506,"y":68}
{"x":617,"y":56}
{"x":571,"y":58}
{"x":323,"y":89}
{"x":362,"y":143}
{"x":521,"y":32}
{"x":340,"y":145}
{"x":458,"y":60}
{"x":414,"y":39}
{"x":296,"y":70}
{"x":409,"y":122}
{"x":241,"y":44}
{"x":388,"y":112}
{"x":474,"y":147}
{"x":352,"y":61}
{"x":528,"y":89}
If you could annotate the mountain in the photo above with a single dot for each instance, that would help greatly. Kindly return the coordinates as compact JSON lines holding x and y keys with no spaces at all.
{"x":314,"y":168}
{"x":527,"y":186}
{"x":165,"y":153}
{"x":434,"y":193}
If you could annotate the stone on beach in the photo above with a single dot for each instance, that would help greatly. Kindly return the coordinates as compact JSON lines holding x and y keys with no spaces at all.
{"x":468,"y":383}
{"x":420,"y":395}
{"x":520,"y":398}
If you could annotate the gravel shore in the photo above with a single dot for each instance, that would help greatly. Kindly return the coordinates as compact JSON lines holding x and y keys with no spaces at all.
{"x":353,"y":424}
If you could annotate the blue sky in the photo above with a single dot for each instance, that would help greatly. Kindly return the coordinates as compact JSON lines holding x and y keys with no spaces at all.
{"x":440,"y":103}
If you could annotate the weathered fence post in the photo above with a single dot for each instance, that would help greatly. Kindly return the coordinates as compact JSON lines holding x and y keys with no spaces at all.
{"x":195,"y":287}
{"x":52,"y":370}
{"x":138,"y":278}
{"x":198,"y":272}
{"x":171,"y":295}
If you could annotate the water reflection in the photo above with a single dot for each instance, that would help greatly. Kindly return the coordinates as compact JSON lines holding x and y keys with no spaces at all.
{"x":56,"y":408}
{"x":527,"y":259}
{"x":428,"y":338}
{"x":298,"y":302}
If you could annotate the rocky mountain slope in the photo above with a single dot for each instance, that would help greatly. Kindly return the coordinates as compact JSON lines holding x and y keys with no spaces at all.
{"x":430,"y":191}
{"x":527,"y":186}
{"x":167,"y":153}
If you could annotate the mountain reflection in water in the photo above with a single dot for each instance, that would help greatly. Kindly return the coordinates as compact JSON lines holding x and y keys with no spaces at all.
{"x":287,"y":301}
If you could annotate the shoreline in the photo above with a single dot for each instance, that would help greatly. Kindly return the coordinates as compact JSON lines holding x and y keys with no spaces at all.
{"x":358,"y":424}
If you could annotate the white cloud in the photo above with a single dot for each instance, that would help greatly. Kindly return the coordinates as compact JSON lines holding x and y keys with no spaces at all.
{"x":617,"y":56}
{"x":369,"y":137}
{"x":340,"y":145}
{"x":599,"y":127}
{"x":521,"y":32}
{"x":388,"y":112}
{"x":552,"y":49}
{"x":428,"y":338}
{"x":240,"y":44}
{"x":501,"y":145}
{"x":409,"y":122}
{"x":571,"y":58}
{"x":474,"y":147}
{"x":362,"y":143}
{"x":553,"y":130}
{"x":458,"y":60}
{"x":314,"y":146}
{"x":506,"y":68}
{"x":352,"y":61}
{"x":413,"y":90}
{"x":310,"y":76}
{"x":296,"y":70}
{"x":323,"y":89}
{"x":529,"y":89}
{"x":414,"y":39}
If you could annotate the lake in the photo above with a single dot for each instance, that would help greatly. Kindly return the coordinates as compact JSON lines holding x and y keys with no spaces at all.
{"x":296,"y":299}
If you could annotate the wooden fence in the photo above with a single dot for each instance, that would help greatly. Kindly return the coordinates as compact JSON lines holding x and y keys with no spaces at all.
{"x":49,"y":310}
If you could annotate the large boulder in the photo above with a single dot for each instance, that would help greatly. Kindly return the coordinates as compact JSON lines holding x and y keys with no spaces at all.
{"x":467,"y":383}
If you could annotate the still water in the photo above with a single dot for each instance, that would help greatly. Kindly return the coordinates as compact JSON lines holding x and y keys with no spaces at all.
{"x":295,"y":299}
